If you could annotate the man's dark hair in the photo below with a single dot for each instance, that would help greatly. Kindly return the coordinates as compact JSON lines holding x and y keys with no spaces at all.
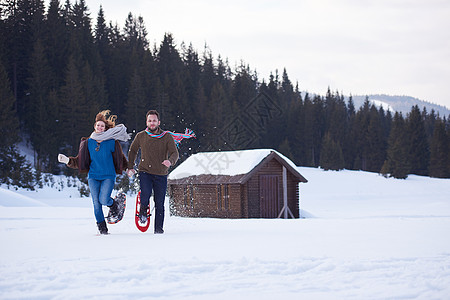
{"x":152,"y":112}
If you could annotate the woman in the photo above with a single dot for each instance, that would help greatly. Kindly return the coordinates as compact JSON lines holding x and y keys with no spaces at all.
{"x":102,"y":158}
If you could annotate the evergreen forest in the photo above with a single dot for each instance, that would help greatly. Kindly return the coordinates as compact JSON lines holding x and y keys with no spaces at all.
{"x":60,"y":66}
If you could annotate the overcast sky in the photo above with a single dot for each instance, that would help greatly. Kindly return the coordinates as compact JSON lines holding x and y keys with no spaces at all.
{"x":359,"y":47}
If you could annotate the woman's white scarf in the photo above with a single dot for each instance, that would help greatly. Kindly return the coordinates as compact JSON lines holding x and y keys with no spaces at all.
{"x":119,"y":132}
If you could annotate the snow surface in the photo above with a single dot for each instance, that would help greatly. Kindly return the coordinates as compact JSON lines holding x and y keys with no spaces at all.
{"x":384,"y":105}
{"x":362,"y":237}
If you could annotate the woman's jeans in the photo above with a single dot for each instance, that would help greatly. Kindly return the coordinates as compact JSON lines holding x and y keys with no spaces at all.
{"x":157,"y":183}
{"x":101,"y":195}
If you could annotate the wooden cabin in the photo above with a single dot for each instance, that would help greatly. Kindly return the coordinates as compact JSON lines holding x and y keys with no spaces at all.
{"x":258,"y":183}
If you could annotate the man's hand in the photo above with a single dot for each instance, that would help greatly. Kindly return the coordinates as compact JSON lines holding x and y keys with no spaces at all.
{"x":167,"y":163}
{"x":131,"y":172}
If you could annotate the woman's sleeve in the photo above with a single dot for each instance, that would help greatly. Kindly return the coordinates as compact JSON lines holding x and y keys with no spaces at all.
{"x":73,"y":162}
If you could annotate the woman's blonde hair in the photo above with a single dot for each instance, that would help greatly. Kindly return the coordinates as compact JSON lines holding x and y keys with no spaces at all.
{"x":109,"y":120}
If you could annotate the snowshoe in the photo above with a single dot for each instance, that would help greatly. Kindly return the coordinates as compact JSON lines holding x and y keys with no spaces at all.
{"x":117,"y":210}
{"x":142,"y":220}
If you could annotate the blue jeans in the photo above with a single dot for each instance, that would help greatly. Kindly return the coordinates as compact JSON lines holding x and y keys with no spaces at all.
{"x":101,"y":195}
{"x":157,"y":184}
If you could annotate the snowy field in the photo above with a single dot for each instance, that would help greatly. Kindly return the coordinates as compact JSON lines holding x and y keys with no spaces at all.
{"x":362,"y":237}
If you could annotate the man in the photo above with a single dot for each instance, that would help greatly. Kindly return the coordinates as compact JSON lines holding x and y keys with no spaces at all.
{"x":158,"y":153}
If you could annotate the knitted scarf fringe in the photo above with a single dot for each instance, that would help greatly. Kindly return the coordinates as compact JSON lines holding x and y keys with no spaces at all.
{"x":178,"y":137}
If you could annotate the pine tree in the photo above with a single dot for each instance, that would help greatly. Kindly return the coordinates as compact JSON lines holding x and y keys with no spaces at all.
{"x":38,"y":118}
{"x":336,"y":117}
{"x":139,"y":73}
{"x":224,"y":73}
{"x":74,"y":118}
{"x":218,"y":104}
{"x":93,"y":90}
{"x":310,"y":132}
{"x":331,"y":157}
{"x":386,"y":122}
{"x":376,"y":142}
{"x":360,"y":131}
{"x":136,"y":33}
{"x":285,"y":149}
{"x":296,"y":117}
{"x":287,"y":90}
{"x":397,"y":164}
{"x":8,"y":118}
{"x":224,"y":76}
{"x":81,"y":39}
{"x":101,"y":33}
{"x":56,"y":43}
{"x":430,"y":120}
{"x":317,"y":128}
{"x":278,"y":121}
{"x":170,"y":72}
{"x":116,"y":64}
{"x":447,"y":129}
{"x":168,"y":57}
{"x":14,"y":169}
{"x":136,"y":106}
{"x":244,"y":87}
{"x":208,"y":76}
{"x":243,"y":91}
{"x":102,"y":47}
{"x":24,"y":27}
{"x":196,"y":99}
{"x":419,"y":154}
{"x":348,"y":148}
{"x":439,"y":149}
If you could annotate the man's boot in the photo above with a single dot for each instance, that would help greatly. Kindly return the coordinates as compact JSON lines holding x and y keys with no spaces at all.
{"x":143,"y":214}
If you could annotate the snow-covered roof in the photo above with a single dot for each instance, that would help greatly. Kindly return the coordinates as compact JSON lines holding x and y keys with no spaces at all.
{"x":229,"y":163}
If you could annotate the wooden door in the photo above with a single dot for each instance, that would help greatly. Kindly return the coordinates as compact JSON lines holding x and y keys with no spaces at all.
{"x":268,"y":193}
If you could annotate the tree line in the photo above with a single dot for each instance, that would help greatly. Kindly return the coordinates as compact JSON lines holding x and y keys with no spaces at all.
{"x":59,"y":67}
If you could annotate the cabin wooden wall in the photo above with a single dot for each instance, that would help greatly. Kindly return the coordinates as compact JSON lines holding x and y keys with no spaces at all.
{"x":272,"y":168}
{"x":206,"y":200}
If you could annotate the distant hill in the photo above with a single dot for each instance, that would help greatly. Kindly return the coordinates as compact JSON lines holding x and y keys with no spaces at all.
{"x":400,"y":103}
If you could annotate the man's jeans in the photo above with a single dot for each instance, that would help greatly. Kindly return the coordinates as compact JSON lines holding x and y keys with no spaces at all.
{"x":157,"y":184}
{"x":101,"y":195}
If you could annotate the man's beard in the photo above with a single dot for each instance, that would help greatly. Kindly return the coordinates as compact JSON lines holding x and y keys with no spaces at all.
{"x":153,"y":128}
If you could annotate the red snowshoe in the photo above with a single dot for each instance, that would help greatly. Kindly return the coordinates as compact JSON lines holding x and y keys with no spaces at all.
{"x":142,"y":225}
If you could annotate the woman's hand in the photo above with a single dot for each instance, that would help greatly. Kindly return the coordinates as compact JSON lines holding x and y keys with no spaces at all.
{"x":131,"y":172}
{"x":63,"y":159}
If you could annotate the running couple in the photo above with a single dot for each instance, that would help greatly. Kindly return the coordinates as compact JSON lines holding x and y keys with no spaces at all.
{"x":101,"y":157}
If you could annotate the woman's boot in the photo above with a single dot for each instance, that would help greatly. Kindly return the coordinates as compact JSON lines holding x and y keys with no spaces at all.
{"x":102,"y":227}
